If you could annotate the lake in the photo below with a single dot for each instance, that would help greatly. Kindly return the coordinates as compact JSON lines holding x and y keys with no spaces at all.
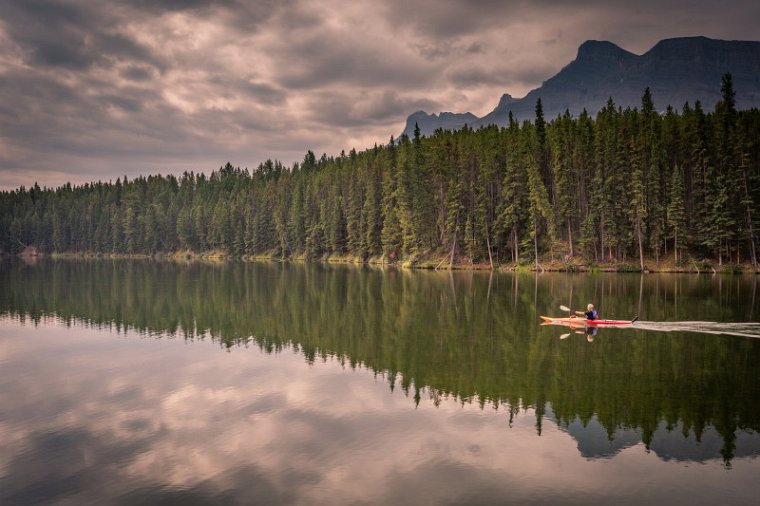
{"x":141,"y":382}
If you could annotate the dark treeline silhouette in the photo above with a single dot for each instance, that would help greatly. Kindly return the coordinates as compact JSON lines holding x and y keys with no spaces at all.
{"x":469,"y":336}
{"x":627,"y":185}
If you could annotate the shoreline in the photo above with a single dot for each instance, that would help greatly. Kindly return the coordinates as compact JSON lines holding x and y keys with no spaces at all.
{"x":440,"y":264}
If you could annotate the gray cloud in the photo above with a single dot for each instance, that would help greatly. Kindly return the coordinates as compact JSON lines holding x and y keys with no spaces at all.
{"x":449,"y":19}
{"x":367,"y":108}
{"x":136,"y":73}
{"x":325,"y":57}
{"x":69,"y":36}
{"x":96,"y":90}
{"x":49,"y":33}
{"x":522,"y":72}
{"x":259,"y":92}
{"x":180,"y":5}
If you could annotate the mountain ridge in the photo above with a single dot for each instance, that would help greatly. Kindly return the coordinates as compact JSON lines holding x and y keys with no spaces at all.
{"x":676,"y":70}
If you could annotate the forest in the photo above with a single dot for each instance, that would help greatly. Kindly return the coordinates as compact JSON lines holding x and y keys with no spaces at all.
{"x":629,"y":186}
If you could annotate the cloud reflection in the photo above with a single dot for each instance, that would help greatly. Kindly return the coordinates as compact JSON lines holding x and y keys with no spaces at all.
{"x":87,"y":414}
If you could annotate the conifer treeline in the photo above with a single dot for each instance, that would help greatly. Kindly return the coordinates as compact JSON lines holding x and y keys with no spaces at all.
{"x":626,"y":185}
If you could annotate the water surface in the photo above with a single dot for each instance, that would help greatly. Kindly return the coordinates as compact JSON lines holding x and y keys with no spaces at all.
{"x":140,"y":382}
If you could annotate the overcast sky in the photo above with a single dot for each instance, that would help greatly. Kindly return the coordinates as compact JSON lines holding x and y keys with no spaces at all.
{"x":93,"y":90}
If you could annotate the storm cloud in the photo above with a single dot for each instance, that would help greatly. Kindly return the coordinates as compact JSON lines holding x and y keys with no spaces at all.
{"x":96,"y":90}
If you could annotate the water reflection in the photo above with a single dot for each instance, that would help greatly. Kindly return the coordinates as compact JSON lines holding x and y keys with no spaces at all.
{"x":434,"y":342}
{"x":576,"y":327}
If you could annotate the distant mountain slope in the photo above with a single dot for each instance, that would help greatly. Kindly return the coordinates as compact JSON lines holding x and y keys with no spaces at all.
{"x":676,"y":71}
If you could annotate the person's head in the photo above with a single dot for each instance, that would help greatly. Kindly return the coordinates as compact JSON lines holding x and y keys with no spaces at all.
{"x":590,"y":307}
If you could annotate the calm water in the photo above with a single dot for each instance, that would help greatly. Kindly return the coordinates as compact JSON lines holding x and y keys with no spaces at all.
{"x":142,"y":383}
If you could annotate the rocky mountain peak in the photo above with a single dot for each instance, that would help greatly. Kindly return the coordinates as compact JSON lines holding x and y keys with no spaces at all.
{"x":505,"y":100}
{"x":676,"y":70}
{"x":601,"y":49}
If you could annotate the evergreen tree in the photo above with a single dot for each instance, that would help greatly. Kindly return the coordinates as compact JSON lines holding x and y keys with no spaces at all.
{"x":676,"y":212}
{"x":541,"y":218}
{"x":565,"y":208}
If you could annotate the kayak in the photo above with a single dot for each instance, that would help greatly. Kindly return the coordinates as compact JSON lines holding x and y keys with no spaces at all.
{"x":576,"y":321}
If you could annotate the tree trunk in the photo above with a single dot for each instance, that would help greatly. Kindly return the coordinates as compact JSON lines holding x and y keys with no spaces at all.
{"x":752,"y":250}
{"x":453,"y":248}
{"x":675,"y":246}
{"x":488,"y":245}
{"x":749,"y":223}
{"x":570,"y":237}
{"x":641,"y":246}
{"x":516,"y":251}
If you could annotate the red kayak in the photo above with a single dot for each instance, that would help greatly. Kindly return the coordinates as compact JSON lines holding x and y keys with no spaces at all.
{"x":580,"y":322}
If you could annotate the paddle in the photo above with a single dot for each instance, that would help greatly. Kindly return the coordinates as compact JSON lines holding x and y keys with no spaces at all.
{"x":564,"y":336}
{"x":567,"y":309}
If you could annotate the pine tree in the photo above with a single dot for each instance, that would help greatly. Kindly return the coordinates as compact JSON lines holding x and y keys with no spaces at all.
{"x":405,"y":198}
{"x":185,"y":229}
{"x":131,"y":231}
{"x":355,"y":232}
{"x":749,"y":207}
{"x":514,"y":201}
{"x":676,"y":213}
{"x":372,"y":214}
{"x":541,"y":148}
{"x":540,"y":211}
{"x":637,"y":204}
{"x":565,"y":208}
{"x":392,"y":234}
{"x":296,"y":229}
{"x":453,"y":215}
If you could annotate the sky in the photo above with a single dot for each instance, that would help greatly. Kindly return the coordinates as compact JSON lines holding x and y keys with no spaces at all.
{"x":94,"y":90}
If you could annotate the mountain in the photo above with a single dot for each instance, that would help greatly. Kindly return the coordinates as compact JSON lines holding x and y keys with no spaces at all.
{"x":675,"y":70}
{"x":446,"y":120}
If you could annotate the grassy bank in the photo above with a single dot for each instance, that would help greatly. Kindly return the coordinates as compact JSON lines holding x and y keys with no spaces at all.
{"x":574,"y":264}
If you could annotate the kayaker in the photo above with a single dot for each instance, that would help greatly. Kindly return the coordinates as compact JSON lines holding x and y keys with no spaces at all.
{"x":590,"y":313}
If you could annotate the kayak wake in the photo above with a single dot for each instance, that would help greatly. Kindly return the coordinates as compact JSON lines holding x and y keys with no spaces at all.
{"x":743,"y":329}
